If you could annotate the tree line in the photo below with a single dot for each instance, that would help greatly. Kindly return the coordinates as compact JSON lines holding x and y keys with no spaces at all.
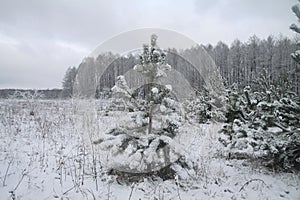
{"x":242,"y":63}
{"x":30,"y":94}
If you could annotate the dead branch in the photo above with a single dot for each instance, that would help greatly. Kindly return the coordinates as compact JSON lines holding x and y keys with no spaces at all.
{"x":10,"y":162}
{"x":251,"y":180}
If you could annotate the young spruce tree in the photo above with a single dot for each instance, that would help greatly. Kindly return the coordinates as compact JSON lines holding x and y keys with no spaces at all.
{"x":146,"y":136}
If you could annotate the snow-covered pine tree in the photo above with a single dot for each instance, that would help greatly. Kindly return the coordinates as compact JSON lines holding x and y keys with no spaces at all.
{"x":235,"y":132}
{"x":203,"y":108}
{"x":197,"y":109}
{"x":122,"y":95}
{"x":153,"y":66}
{"x":296,"y":54}
{"x":265,"y":125}
{"x":294,"y":27}
{"x":144,"y":141}
{"x":279,"y":116}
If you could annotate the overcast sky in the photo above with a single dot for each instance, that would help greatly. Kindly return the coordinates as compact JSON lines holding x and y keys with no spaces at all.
{"x":40,"y":39}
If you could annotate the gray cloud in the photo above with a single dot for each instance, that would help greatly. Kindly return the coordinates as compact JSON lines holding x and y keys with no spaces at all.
{"x":40,"y":39}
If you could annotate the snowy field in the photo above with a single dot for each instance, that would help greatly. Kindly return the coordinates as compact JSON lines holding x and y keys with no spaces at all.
{"x":46,"y":153}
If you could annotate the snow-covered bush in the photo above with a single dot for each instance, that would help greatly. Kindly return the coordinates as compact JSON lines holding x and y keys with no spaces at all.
{"x":198,"y":109}
{"x":144,"y":140}
{"x":203,"y":108}
{"x":263,"y":125}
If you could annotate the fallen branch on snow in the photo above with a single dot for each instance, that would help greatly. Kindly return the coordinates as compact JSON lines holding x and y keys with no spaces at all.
{"x":251,"y":180}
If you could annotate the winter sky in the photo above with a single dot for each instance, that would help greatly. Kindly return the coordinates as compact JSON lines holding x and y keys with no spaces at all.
{"x":39,"y":40}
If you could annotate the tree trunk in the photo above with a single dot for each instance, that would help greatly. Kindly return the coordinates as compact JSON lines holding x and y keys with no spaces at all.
{"x":150,"y":120}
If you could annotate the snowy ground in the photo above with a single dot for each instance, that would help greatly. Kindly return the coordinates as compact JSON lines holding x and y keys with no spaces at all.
{"x":48,"y":155}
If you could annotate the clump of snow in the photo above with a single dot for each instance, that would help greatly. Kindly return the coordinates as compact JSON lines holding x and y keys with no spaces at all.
{"x":121,"y":89}
{"x":154,"y":90}
{"x":169,"y":87}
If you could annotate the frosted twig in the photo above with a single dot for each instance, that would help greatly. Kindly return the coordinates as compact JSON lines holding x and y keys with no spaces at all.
{"x":69,"y":189}
{"x":177,"y":184}
{"x":94,"y":198}
{"x":10,"y":162}
{"x":108,"y":194}
{"x":251,"y":180}
{"x":20,"y":180}
{"x":132,"y":187}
